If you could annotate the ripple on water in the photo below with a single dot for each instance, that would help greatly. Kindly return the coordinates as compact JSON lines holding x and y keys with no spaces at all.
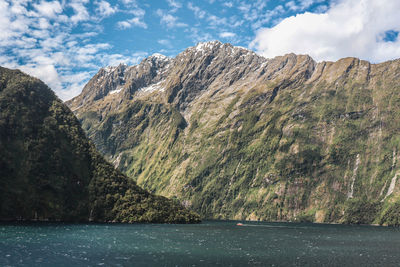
{"x":207,"y":244}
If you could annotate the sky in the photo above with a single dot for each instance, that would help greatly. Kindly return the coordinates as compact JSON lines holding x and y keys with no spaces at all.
{"x":65,"y":42}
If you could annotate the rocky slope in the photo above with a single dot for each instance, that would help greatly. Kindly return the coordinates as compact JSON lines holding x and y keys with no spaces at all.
{"x":238,"y":136}
{"x":50,"y":171}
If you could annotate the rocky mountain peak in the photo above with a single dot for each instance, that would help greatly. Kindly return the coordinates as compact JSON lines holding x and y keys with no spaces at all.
{"x":240,"y":136}
{"x":216,"y":48}
{"x":113,"y":70}
{"x":201,"y":68}
{"x":122,"y":80}
{"x":206,"y":46}
{"x":159,"y":57}
{"x":156,"y":61}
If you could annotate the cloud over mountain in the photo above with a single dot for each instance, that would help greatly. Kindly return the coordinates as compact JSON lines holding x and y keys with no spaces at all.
{"x":366,"y":29}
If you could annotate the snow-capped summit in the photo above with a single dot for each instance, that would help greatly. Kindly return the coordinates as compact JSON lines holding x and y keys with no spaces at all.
{"x":159,"y":56}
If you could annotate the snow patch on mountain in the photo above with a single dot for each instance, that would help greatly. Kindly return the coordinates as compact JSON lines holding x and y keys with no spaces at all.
{"x":116,"y":91}
{"x":109,"y":69}
{"x":160,"y":57}
{"x":203,"y":46}
{"x":153,"y":87}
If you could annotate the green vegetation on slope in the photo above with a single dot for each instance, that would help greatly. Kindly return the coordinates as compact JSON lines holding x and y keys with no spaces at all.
{"x":289,"y":146}
{"x":49,"y":170}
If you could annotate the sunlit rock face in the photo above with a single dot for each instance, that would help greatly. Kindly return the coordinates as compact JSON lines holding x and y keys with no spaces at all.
{"x":235,"y":135}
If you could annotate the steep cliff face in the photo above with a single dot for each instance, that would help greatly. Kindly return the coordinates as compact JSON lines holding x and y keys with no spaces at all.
{"x":50,"y":171}
{"x":238,"y":136}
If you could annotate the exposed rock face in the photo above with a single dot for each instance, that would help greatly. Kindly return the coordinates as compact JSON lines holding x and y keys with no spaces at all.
{"x":238,"y":136}
{"x":50,"y":171}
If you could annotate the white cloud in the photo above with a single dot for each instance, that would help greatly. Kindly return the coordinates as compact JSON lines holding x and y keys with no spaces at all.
{"x":197,"y":11}
{"x":251,"y":12}
{"x":175,"y":5}
{"x":269,"y":16}
{"x":301,"y":5}
{"x":244,"y":7}
{"x":47,"y":73}
{"x":116,"y":59}
{"x":39,"y":39}
{"x":304,"y":4}
{"x":43,"y":24}
{"x":216,"y":21}
{"x":105,"y":9}
{"x":129,"y":2}
{"x":321,"y":9}
{"x":257,"y":14}
{"x":199,"y":36}
{"x":137,"y":56}
{"x":124,"y":24}
{"x":48,"y":9}
{"x":137,"y":12}
{"x":169,"y":20}
{"x":136,"y":21}
{"x":81,"y":13}
{"x":228,"y":4}
{"x":18,"y":7}
{"x":291,"y":5}
{"x":347,"y":28}
{"x":165,"y":42}
{"x":260,"y":4}
{"x":75,"y":81}
{"x":227,"y":35}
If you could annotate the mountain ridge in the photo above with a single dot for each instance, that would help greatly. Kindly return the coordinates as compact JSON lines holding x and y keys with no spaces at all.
{"x":239,"y":136}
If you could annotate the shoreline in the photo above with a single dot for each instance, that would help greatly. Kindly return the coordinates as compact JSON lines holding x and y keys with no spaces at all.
{"x":33,"y":221}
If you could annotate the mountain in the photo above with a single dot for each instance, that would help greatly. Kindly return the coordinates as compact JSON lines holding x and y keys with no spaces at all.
{"x":234,"y":135}
{"x":50,"y":171}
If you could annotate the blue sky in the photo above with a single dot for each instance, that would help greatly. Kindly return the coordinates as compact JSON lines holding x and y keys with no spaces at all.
{"x":65,"y":42}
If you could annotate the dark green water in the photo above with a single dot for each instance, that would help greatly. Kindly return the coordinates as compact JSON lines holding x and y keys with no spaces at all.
{"x":206,"y":244}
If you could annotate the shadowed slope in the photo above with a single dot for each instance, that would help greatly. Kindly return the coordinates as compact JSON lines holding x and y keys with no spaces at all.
{"x":50,"y":171}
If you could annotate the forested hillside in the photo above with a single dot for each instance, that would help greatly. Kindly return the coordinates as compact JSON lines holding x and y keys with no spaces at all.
{"x":50,"y":171}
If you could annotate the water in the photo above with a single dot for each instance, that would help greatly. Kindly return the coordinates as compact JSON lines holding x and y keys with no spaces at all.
{"x":206,"y":244}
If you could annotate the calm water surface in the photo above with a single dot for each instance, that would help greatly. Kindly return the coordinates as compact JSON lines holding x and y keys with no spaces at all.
{"x":206,"y":244}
